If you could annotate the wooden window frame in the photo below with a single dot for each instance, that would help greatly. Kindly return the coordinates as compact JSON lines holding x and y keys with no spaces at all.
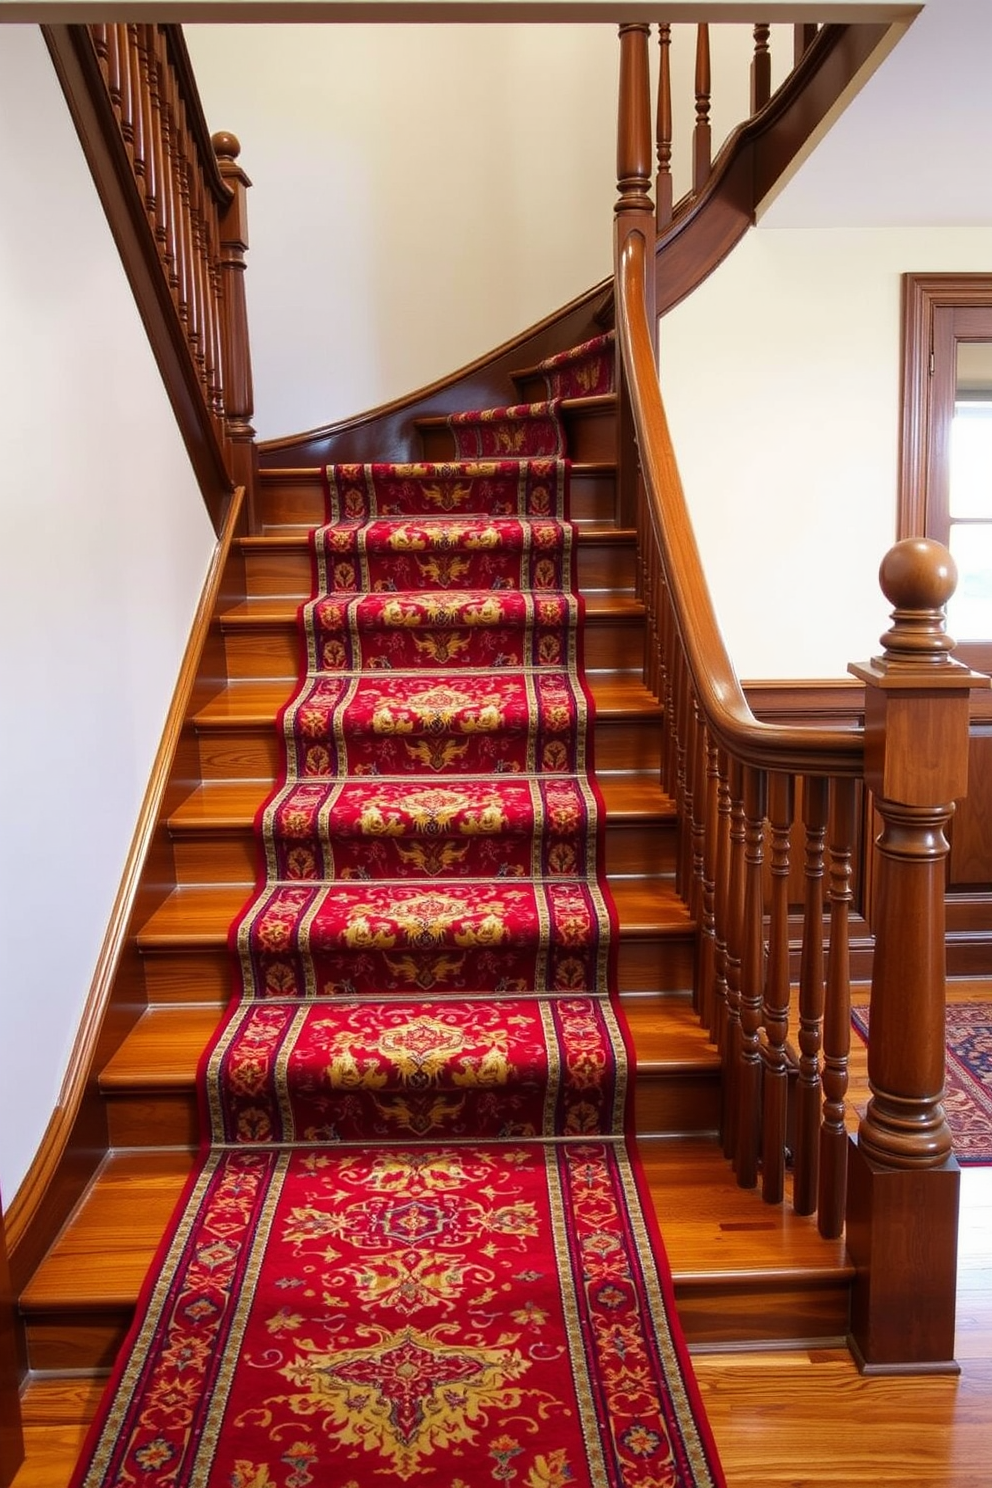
{"x":925,"y":388}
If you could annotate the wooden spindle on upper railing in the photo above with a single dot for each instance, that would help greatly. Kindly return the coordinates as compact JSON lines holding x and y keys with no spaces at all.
{"x":761,"y":68}
{"x":706,"y":972}
{"x":721,"y":903}
{"x":663,"y":189}
{"x":752,"y":995}
{"x":804,"y":36}
{"x":702,"y":147}
{"x":736,"y":892}
{"x":239,"y":397}
{"x":903,"y":1181}
{"x":634,"y":212}
{"x":180,"y":228}
{"x":809,"y":1090}
{"x":775,"y":1093}
{"x":837,"y":1012}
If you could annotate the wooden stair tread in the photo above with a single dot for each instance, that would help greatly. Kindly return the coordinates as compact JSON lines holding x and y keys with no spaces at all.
{"x":667,"y":1036}
{"x":201,"y":914}
{"x":102,"y":1254}
{"x":163,"y":1049}
{"x":231,"y":805}
{"x":296,"y":539}
{"x":315,"y":472}
{"x":249,"y":703}
{"x":266,"y":610}
{"x":714,"y":1232}
{"x":714,"y":1229}
{"x":599,"y":403}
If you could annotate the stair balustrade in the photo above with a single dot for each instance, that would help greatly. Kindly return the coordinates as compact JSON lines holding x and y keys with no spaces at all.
{"x":736,"y":782}
{"x":176,"y":204}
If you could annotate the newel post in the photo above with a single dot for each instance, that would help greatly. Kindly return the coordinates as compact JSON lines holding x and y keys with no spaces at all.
{"x":239,"y":397}
{"x":634,"y":213}
{"x":902,"y":1203}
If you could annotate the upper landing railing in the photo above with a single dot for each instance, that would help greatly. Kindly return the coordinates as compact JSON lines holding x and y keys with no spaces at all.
{"x":744,"y":788}
{"x":175,"y":200}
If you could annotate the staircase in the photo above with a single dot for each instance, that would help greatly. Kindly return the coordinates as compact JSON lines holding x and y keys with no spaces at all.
{"x":745,"y":1274}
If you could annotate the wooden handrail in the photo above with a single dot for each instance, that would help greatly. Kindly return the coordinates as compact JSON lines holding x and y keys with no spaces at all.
{"x":175,"y":204}
{"x":767,"y":746}
{"x":734,"y":780}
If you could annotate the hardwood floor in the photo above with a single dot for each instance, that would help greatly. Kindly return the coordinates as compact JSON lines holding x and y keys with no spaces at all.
{"x":797,"y":1417}
{"x":808,"y":1417}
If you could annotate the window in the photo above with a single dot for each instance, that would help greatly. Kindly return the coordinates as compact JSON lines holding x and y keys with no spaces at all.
{"x":946,"y":471}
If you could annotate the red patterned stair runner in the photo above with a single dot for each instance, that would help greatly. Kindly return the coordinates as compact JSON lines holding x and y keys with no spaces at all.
{"x":415,"y":1249}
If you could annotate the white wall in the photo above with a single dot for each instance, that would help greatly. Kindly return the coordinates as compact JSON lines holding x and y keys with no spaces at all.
{"x":420,"y":195}
{"x":104,"y":551}
{"x":781,"y":376}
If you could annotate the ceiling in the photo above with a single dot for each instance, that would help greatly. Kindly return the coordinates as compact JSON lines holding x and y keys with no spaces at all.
{"x":912,"y":149}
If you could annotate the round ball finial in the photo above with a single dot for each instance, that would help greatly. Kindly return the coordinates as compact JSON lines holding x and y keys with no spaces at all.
{"x":226,"y":146}
{"x":918,"y":577}
{"x":918,"y":574}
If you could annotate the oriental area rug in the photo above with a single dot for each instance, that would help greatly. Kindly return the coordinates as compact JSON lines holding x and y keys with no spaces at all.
{"x":416,"y":1248}
{"x":968,"y":1097}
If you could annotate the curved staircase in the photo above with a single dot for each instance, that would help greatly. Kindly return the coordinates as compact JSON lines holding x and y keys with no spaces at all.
{"x":745,"y":1273}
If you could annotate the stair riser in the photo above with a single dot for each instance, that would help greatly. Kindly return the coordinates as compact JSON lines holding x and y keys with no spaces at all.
{"x":732,"y":1313}
{"x":260,"y":650}
{"x":590,"y":435}
{"x":719,"y":1315}
{"x":678,"y":1103}
{"x":227,"y":856}
{"x":298,"y":501}
{"x":62,"y":1341}
{"x":252,"y":752}
{"x":285,"y":572}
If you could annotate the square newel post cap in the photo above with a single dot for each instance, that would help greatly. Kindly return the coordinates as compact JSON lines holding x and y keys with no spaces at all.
{"x":916,"y":694}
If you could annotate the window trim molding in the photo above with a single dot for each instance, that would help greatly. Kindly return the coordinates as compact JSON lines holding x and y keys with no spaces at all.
{"x":921,"y":295}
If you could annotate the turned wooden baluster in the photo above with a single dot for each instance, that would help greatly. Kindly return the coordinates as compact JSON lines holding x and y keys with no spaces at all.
{"x":736,"y":890}
{"x":138,"y":137}
{"x":709,"y":773}
{"x":683,"y":788}
{"x":124,"y":81}
{"x":775,"y":1098}
{"x":149,"y":126}
{"x":634,"y":212}
{"x":837,"y":1012}
{"x":804,"y":36}
{"x":669,"y":725}
{"x":809,"y":1091}
{"x":663,"y":187}
{"x":761,"y":69}
{"x":903,"y":1180}
{"x":650,"y":594}
{"x":721,"y":905}
{"x":697,"y":773}
{"x":701,"y":134}
{"x":166,"y":232}
{"x":752,"y":979}
{"x":239,"y":396}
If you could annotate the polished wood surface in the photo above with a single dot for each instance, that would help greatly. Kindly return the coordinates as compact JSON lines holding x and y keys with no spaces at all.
{"x":179,"y":225}
{"x":11,"y":1435}
{"x":898,"y":1203}
{"x":780,"y":1416}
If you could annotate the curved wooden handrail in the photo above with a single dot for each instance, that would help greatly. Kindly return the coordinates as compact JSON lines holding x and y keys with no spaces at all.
{"x":767,"y":746}
{"x":707,"y":224}
{"x":703,"y":229}
{"x":175,"y":204}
